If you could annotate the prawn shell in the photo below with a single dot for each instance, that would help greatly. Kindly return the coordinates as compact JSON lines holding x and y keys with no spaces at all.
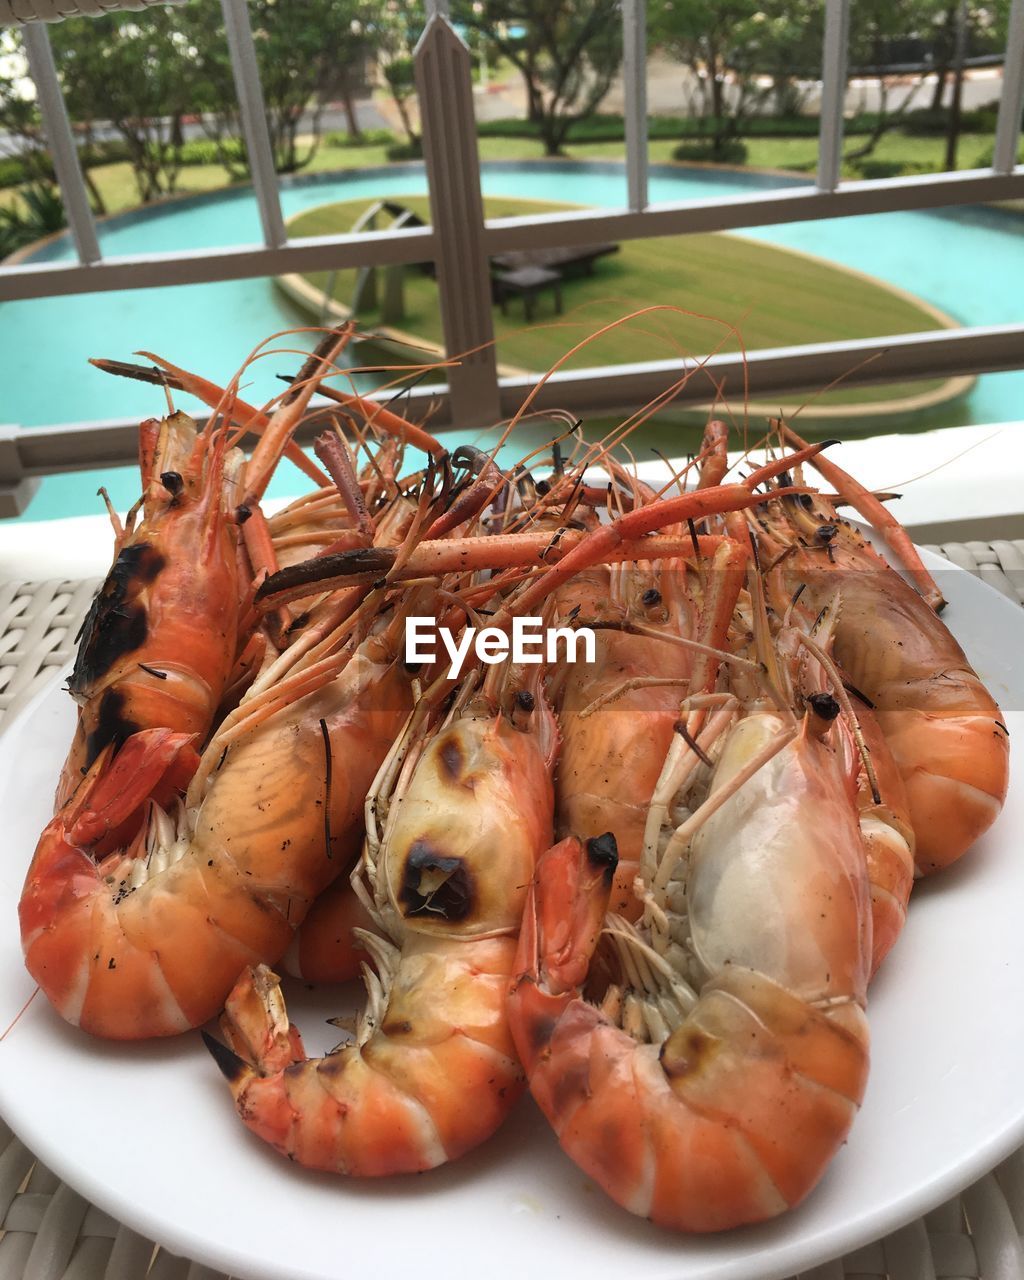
{"x":625,"y":739}
{"x":777,"y":881}
{"x":462,"y":848}
{"x":172,"y":590}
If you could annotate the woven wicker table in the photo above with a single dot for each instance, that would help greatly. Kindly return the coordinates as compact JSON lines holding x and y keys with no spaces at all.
{"x":50,"y":1232}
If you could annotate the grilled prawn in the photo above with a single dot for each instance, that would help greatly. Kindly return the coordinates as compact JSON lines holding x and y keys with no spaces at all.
{"x":431,"y":1071}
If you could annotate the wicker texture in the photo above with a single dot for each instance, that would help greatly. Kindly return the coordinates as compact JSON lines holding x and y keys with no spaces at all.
{"x":1000,"y":564}
{"x":14,"y":12}
{"x":38,"y":625}
{"x":50,"y":1232}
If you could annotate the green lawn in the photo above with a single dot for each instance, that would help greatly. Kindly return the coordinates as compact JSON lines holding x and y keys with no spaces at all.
{"x":774,"y":297}
{"x":799,"y":155}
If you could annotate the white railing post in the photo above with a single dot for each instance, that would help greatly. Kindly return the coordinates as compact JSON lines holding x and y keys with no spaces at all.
{"x":445,"y":89}
{"x":833,"y":93}
{"x":16,"y":489}
{"x":634,"y":79}
{"x":1011,"y":104}
{"x":254,"y":120}
{"x":61,"y":142}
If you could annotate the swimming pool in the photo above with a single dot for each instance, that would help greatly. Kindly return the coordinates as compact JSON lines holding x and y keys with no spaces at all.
{"x":969,"y":262}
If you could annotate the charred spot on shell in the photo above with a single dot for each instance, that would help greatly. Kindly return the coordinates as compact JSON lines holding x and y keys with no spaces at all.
{"x":541,"y":1029}
{"x":435,"y":885}
{"x":397,"y":1027}
{"x":525,"y":701}
{"x":570,"y":1086}
{"x":453,"y":760}
{"x":824,"y":705}
{"x":825,"y":533}
{"x":686,"y":1051}
{"x":116,"y":623}
{"x":232,"y":1067}
{"x":242,"y":513}
{"x":112,"y":726}
{"x":603,"y":853}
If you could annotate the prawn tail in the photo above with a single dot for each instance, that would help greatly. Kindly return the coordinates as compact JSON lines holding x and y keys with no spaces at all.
{"x":256,"y":1026}
{"x":152,"y":765}
{"x":71,"y":938}
{"x":106,"y":811}
{"x":261,"y":1044}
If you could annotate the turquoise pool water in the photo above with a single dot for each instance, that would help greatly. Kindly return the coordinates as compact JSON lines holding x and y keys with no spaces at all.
{"x":968,"y":262}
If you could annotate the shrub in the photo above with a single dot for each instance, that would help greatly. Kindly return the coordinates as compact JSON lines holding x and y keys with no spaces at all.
{"x":206,"y":151}
{"x":872,"y":168}
{"x":611,"y":128}
{"x":732,"y":151}
{"x":369,"y":138}
{"x":111,"y":151}
{"x":868,"y":168}
{"x":14,"y":170}
{"x":405,"y":151}
{"x":928,"y":122}
{"x":41,"y":212}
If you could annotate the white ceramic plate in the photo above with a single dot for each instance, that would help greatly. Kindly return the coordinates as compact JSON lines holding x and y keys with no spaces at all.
{"x":149,"y":1133}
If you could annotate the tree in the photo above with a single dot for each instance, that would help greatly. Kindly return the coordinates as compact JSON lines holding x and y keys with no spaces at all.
{"x":784,"y":42}
{"x":731,"y":47}
{"x":875,"y":27}
{"x":400,"y":77}
{"x":132,"y":72}
{"x":948,"y":32}
{"x":567,"y":51}
{"x":307,"y":52}
{"x":39,"y":210}
{"x":395,"y":33}
{"x":19,"y":115}
{"x":974,"y":28}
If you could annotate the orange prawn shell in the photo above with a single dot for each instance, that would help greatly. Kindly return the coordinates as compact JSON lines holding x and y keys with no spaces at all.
{"x":943,"y":727}
{"x":161,"y":638}
{"x":434,"y":1079}
{"x":610,"y":761}
{"x":734,"y":1117}
{"x":161,"y":958}
{"x":477,"y":810}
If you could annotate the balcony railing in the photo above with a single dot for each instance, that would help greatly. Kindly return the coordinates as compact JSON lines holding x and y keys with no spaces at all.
{"x":460,"y":242}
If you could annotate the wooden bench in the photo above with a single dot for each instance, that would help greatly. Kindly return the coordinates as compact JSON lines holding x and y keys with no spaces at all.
{"x":555,"y":259}
{"x":527,"y":282}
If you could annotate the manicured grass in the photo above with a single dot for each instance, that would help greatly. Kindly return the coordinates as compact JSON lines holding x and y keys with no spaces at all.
{"x":773,"y":297}
{"x":798,"y":155}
